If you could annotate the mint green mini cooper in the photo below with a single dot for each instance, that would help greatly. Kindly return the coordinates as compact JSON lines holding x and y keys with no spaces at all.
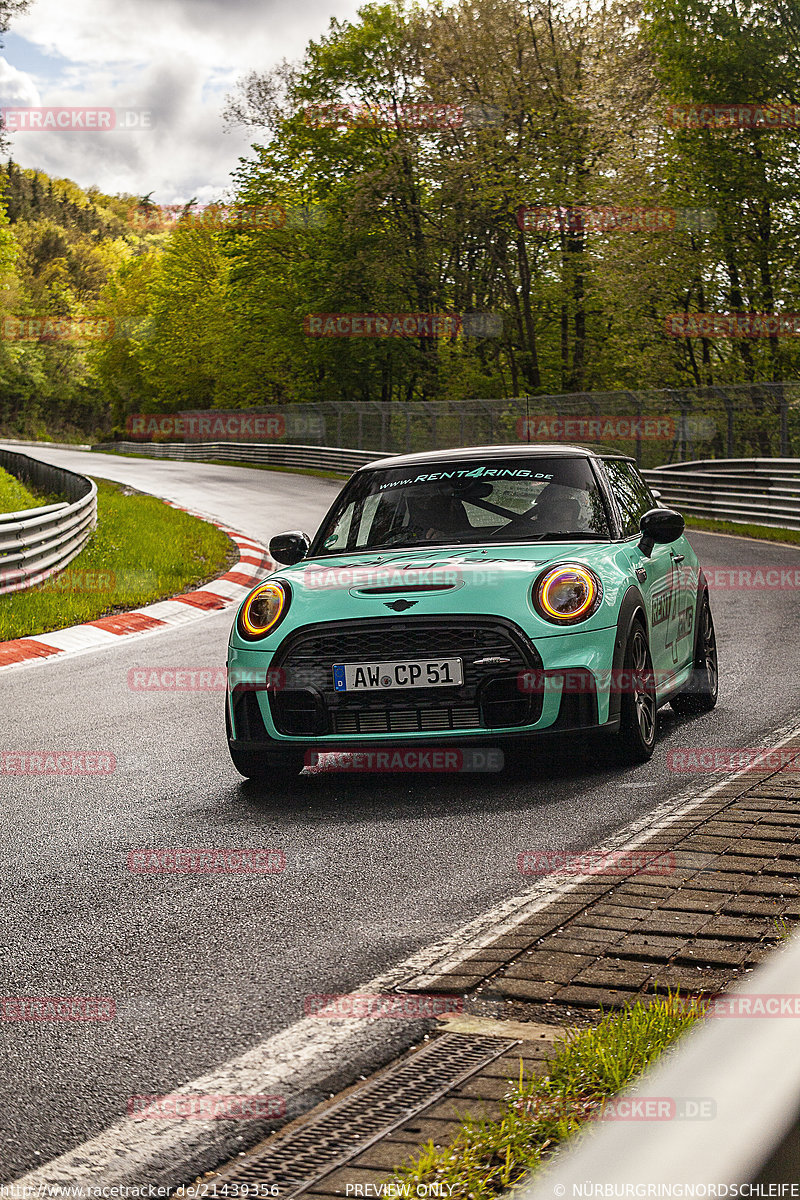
{"x":470,"y":599}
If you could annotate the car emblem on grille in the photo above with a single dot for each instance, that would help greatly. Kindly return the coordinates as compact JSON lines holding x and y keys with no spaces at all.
{"x":491,"y":661}
{"x":400,"y":605}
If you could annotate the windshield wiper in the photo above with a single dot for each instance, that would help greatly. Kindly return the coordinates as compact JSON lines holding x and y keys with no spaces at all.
{"x":561,"y":535}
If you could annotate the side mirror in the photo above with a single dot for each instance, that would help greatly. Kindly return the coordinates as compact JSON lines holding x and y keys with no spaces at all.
{"x":289,"y":548}
{"x":662,"y":525}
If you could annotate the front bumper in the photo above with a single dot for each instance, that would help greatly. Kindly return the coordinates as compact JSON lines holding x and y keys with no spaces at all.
{"x":299,"y":710}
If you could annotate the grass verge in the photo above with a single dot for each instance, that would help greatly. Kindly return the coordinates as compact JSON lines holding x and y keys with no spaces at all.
{"x":14,"y":496}
{"x":587,"y":1068}
{"x":142,"y":551}
{"x":763,"y":533}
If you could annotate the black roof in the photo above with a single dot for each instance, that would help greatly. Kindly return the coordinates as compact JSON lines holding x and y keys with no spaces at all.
{"x":516,"y":450}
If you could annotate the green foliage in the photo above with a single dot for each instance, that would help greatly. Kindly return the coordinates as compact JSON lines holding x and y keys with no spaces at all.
{"x":763,"y":533}
{"x":59,"y":246}
{"x":565,"y":106}
{"x":14,"y":496}
{"x":487,"y":1158}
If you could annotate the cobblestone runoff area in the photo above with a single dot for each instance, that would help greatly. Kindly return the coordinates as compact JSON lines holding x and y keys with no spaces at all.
{"x":709,"y":907}
{"x":719,"y":889}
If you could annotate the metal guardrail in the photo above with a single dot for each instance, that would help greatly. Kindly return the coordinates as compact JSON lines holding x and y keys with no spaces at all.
{"x":764,"y":491}
{"x":46,"y":445}
{"x":742,"y":1072}
{"x":320,"y":458}
{"x":38,"y":542}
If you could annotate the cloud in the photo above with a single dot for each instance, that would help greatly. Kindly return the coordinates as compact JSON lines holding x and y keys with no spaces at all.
{"x":16,"y":87}
{"x":177,"y":59}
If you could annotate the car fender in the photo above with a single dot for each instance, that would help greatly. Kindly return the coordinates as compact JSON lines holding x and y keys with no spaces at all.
{"x":632,"y":607}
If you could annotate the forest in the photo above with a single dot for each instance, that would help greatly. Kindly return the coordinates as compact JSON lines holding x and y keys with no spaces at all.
{"x":538,"y":199}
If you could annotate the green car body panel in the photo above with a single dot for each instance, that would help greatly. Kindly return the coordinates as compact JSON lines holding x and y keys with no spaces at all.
{"x":479,"y":584}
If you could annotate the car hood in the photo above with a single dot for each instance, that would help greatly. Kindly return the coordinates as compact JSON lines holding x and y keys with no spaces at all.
{"x":419,"y":570}
{"x":438,"y":583}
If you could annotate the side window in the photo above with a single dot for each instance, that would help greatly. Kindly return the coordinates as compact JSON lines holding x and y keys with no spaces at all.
{"x":632,"y":494}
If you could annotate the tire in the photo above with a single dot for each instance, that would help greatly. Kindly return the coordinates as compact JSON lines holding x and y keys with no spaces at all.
{"x":700,"y":694}
{"x":636,"y":739}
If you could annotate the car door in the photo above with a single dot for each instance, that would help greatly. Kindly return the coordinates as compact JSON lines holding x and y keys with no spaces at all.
{"x":659,"y":574}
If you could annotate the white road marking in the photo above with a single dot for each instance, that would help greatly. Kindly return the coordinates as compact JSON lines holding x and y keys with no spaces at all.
{"x":311,"y":1058}
{"x":77,"y":637}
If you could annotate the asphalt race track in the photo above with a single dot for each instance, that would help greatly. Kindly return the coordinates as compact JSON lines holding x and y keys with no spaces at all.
{"x":204,"y":967}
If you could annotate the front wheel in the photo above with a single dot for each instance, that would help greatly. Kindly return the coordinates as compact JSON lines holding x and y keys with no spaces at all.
{"x":636,"y":738}
{"x":700,"y":694}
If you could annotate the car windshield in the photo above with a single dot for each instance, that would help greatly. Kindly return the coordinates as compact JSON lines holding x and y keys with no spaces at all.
{"x":466,"y":502}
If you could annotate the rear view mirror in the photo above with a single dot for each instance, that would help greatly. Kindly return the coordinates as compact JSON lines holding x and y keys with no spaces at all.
{"x":289,"y":548}
{"x":659,"y":525}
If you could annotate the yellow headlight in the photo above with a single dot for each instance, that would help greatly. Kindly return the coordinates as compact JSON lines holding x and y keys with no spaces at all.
{"x":262,"y":610}
{"x":567,"y":594}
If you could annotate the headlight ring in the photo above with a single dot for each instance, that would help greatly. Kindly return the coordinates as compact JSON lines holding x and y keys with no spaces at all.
{"x":567,"y":594}
{"x":263,"y":610}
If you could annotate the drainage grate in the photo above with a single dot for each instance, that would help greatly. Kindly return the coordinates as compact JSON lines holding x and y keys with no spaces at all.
{"x":293,"y":1162}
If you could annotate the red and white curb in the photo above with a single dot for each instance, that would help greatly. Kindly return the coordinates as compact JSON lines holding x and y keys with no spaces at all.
{"x":254,"y":563}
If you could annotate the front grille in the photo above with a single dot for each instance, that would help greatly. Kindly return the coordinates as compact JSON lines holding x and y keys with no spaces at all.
{"x":405,"y":720}
{"x":488,"y":698}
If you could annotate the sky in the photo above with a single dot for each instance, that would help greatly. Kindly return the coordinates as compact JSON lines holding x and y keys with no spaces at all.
{"x":168,"y":64}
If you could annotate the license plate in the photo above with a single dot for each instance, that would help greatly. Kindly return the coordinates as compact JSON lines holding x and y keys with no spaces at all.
{"x":374,"y":677}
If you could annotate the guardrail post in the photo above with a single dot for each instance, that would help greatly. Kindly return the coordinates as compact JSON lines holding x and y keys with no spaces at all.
{"x":638,"y":401}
